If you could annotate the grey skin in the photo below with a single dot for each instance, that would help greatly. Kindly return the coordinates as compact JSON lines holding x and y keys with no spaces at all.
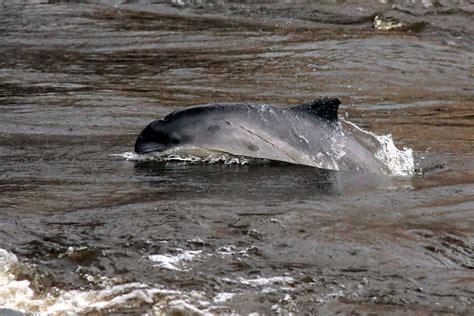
{"x":308,"y":134}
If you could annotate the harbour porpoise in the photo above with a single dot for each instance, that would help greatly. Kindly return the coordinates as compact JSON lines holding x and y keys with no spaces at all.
{"x":308,"y":134}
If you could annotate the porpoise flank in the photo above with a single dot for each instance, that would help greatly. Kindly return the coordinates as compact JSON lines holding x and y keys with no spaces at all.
{"x":308,"y":134}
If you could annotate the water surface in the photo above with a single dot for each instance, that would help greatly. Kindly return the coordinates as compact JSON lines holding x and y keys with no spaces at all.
{"x":85,"y":230}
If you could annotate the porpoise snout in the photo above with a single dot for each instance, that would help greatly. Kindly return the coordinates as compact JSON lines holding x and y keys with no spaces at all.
{"x":144,"y":146}
{"x":155,"y":138}
{"x":146,"y":141}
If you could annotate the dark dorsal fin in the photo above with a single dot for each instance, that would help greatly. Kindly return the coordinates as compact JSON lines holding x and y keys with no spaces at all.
{"x":325,"y":108}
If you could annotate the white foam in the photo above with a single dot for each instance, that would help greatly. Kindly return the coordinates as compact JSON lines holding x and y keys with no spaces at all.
{"x":398,"y":162}
{"x":131,"y":156}
{"x":18,"y":295}
{"x":222,"y":297}
{"x":13,"y":294}
{"x":230,"y":250}
{"x":180,"y":307}
{"x":190,"y":154}
{"x":267,"y":281}
{"x":115,"y":296}
{"x":175,"y":262}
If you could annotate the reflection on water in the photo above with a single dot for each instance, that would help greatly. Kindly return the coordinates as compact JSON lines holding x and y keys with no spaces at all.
{"x":80,"y":226}
{"x":279,"y":181}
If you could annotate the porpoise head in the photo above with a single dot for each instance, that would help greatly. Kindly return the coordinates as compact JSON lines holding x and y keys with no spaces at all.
{"x":158,"y":136}
{"x":173,"y":130}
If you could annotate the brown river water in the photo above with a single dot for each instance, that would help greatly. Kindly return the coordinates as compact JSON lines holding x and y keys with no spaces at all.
{"x":85,"y":230}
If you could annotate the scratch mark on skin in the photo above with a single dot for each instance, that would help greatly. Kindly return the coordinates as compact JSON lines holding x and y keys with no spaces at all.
{"x":265,"y":140}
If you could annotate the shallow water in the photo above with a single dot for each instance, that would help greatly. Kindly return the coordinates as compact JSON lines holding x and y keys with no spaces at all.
{"x":85,"y":230}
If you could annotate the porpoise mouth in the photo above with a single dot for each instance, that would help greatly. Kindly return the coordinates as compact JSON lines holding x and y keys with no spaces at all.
{"x":148,"y":147}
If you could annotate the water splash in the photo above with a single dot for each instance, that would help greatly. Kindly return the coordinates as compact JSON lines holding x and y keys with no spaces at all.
{"x":18,"y":295}
{"x":397,"y":162}
{"x":174,"y":262}
{"x":191,"y":154}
